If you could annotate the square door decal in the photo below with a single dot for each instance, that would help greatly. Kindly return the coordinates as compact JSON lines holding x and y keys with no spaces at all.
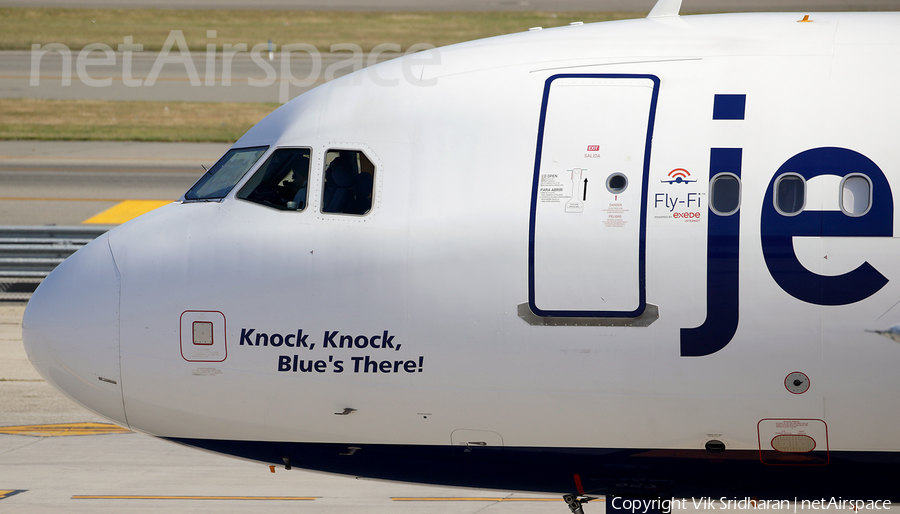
{"x":203,"y":336}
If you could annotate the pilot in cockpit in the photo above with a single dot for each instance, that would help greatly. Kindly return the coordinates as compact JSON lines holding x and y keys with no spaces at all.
{"x":282,"y":181}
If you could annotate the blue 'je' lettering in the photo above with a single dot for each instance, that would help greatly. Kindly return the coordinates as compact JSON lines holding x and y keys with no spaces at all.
{"x":777,"y":232}
{"x":722,"y":249}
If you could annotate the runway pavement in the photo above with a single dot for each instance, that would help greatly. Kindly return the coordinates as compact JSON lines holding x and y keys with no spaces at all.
{"x":69,"y":182}
{"x":24,"y":74}
{"x":474,"y":5}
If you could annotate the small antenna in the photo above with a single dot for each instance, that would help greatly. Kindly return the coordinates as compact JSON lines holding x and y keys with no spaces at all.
{"x":665,"y":8}
{"x":204,"y":168}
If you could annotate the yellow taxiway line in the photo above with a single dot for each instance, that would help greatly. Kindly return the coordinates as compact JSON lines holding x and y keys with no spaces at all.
{"x":65,"y":429}
{"x":125,"y":211}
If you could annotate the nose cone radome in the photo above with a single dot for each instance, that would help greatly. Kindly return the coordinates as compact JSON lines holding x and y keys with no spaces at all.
{"x":71,"y":330}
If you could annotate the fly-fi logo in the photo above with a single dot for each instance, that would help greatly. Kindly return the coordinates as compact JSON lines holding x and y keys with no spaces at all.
{"x":678,"y":203}
{"x":678,"y":176}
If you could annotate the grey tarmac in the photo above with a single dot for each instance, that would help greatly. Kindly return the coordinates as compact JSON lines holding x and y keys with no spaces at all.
{"x":67,"y":182}
{"x":642,"y":6}
{"x":25,"y":75}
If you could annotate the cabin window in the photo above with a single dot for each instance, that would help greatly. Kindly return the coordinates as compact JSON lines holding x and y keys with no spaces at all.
{"x":856,"y":194}
{"x":725,"y":194}
{"x":222,"y":177}
{"x":790,"y":194}
{"x":282,"y":181}
{"x":349,"y":182}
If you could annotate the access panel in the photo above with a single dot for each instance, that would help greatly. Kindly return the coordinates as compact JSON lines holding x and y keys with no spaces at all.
{"x":588,"y":205}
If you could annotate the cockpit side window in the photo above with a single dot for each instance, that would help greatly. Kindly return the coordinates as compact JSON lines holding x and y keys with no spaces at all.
{"x":349,"y":182}
{"x":222,"y":177}
{"x":282,"y":181}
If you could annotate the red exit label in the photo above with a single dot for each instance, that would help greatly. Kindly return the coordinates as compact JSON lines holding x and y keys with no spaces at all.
{"x":593,"y":148}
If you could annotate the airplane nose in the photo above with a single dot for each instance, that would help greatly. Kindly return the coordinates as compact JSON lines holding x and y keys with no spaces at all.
{"x":71,"y":330}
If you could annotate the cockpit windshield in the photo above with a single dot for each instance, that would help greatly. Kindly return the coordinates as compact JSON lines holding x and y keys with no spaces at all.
{"x":222,"y":177}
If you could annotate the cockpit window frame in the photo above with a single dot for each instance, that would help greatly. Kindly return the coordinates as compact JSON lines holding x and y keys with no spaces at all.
{"x":223,"y":192}
{"x":376,"y":169}
{"x":308,"y":187}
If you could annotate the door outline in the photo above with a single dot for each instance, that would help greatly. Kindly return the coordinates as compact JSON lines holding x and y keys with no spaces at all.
{"x":642,"y":250}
